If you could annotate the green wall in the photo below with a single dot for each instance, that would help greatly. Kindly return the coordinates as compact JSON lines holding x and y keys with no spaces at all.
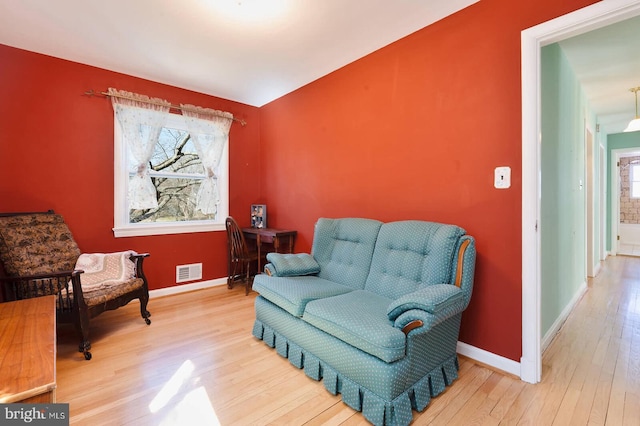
{"x":616,"y":141}
{"x":563,"y":207}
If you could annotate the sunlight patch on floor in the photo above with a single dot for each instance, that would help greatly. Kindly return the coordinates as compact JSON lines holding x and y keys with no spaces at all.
{"x":171,"y":388}
{"x":194,"y":408}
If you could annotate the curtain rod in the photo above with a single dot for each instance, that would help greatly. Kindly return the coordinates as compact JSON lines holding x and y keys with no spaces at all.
{"x":92,"y":92}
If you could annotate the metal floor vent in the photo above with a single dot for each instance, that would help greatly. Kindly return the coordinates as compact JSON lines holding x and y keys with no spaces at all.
{"x":188,"y":272}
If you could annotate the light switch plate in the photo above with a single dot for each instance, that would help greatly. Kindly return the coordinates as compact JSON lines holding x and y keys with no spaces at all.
{"x":502,"y":177}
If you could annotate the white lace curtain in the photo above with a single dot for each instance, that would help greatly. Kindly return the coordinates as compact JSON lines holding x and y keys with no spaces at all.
{"x":141,"y":119}
{"x":209,"y":130}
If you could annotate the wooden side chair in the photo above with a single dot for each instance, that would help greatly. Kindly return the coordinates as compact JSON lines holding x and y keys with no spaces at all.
{"x":240,"y":257}
{"x":39,"y":257}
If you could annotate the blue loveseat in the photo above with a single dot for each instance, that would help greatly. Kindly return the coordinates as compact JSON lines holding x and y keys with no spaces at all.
{"x":374,"y":311}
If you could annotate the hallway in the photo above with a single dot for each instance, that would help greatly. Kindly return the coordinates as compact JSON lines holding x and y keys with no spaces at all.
{"x":591,"y":371}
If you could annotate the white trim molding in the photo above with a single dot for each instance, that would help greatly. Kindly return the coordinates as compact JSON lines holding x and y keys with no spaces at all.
{"x":581,"y":21}
{"x":557,"y":325}
{"x":615,"y":196}
{"x":164,"y":228}
{"x":122,"y":227}
{"x":183,"y":288}
{"x":488,"y":358}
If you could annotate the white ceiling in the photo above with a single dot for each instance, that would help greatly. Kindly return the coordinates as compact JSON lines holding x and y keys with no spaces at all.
{"x":607,"y":64}
{"x":254,"y":51}
{"x":250,"y":51}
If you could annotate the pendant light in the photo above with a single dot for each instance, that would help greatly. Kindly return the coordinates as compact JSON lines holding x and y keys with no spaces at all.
{"x":634,"y":125}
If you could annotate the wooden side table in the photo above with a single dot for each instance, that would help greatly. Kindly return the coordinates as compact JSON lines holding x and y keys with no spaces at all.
{"x":283,"y":240}
{"x":28,"y":350}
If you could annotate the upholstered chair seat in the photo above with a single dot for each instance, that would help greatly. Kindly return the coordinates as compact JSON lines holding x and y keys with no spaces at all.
{"x":40,"y":257}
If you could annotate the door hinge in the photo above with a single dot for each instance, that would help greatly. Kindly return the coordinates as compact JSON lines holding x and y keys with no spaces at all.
{"x":618,"y":237}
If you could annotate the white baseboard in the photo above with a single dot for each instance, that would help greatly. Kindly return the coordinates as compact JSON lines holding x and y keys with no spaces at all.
{"x":176,"y":289}
{"x":557,"y":325}
{"x":496,"y":361}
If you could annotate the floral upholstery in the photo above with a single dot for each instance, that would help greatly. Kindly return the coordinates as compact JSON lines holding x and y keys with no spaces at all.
{"x":36,"y":244}
{"x":103,"y":295}
{"x":39,"y":256}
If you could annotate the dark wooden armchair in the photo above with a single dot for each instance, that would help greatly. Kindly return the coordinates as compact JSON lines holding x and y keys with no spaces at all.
{"x":240,"y":257}
{"x":39,"y":255}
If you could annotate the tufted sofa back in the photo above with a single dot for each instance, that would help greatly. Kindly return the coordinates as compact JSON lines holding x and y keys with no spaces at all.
{"x":343,"y":248}
{"x":36,"y":243}
{"x":411,"y":254}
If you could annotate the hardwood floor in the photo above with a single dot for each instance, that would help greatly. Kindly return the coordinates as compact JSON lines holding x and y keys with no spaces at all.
{"x":197,"y":363}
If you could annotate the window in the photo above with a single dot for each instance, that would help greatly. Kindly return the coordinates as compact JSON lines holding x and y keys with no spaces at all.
{"x":635,"y":180}
{"x":177,"y":173}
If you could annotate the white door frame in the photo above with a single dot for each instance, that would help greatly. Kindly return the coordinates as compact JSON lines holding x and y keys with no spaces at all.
{"x":590,"y":171}
{"x":616,"y":154}
{"x":581,"y":21}
{"x":603,"y":203}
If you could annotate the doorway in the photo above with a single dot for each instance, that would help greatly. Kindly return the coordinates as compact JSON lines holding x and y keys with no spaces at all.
{"x":625,"y":216}
{"x":587,"y":19}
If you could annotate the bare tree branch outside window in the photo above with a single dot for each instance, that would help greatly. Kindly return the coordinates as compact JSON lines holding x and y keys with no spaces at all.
{"x":174,"y":154}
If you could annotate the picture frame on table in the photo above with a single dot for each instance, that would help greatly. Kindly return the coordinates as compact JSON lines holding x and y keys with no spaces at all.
{"x":258,"y":215}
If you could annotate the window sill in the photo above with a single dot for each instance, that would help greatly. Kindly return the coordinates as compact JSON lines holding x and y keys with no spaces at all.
{"x":140,"y":230}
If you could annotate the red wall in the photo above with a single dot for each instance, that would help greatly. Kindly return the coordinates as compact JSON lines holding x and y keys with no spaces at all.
{"x":414,"y":131}
{"x":56,"y":151}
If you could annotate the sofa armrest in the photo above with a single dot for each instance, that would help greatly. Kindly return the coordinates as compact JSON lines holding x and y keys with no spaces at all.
{"x":438,"y":299}
{"x":415,"y":319}
{"x":288,"y":265}
{"x":270,"y":270}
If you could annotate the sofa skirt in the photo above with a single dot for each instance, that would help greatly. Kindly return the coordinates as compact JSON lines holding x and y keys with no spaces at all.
{"x":385,"y":393}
